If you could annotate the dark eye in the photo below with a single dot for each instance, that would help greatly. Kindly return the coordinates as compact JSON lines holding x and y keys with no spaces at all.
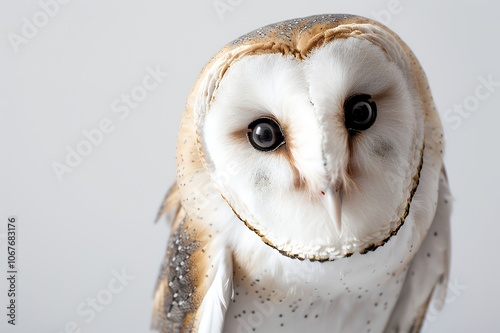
{"x":360,"y":112}
{"x":265,"y":134}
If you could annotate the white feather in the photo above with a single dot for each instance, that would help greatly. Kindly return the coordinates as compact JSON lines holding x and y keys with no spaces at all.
{"x":216,"y":301}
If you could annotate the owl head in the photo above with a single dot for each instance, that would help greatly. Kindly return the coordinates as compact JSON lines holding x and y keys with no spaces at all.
{"x":324,"y":118}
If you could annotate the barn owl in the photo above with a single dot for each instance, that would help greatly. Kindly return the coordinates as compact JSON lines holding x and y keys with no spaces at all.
{"x":310,"y":192}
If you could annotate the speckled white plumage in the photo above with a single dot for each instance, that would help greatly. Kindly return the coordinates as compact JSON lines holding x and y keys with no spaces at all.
{"x":265,"y":253}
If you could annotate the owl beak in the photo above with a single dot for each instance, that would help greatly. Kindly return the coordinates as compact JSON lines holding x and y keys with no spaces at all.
{"x":332,"y":201}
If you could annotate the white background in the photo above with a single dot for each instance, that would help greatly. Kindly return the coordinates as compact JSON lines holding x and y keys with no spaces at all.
{"x":74,"y":233}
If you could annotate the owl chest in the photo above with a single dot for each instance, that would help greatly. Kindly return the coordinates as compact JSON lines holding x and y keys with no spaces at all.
{"x":334,"y":305}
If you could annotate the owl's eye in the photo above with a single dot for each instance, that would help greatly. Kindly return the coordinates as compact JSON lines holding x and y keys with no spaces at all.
{"x":360,"y":112}
{"x":265,"y":134}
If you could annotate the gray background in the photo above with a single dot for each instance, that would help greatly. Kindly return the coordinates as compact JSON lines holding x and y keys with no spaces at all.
{"x":73,"y":234}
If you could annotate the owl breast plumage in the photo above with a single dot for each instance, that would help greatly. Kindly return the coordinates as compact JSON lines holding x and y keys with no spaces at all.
{"x":310,"y":192}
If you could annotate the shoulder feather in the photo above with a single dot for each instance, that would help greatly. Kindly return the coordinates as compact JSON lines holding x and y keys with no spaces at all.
{"x":427,"y":278}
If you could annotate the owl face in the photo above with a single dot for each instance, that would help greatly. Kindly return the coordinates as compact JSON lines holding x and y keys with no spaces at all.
{"x":327,"y":137}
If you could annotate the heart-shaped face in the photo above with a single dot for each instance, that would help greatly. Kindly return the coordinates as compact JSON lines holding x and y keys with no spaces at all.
{"x":327,"y":134}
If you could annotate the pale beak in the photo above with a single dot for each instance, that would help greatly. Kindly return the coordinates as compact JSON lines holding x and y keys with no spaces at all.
{"x":332,"y":201}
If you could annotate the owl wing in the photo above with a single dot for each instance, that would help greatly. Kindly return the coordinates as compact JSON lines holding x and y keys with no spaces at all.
{"x":427,"y":278}
{"x":171,"y":205}
{"x":194,"y":286}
